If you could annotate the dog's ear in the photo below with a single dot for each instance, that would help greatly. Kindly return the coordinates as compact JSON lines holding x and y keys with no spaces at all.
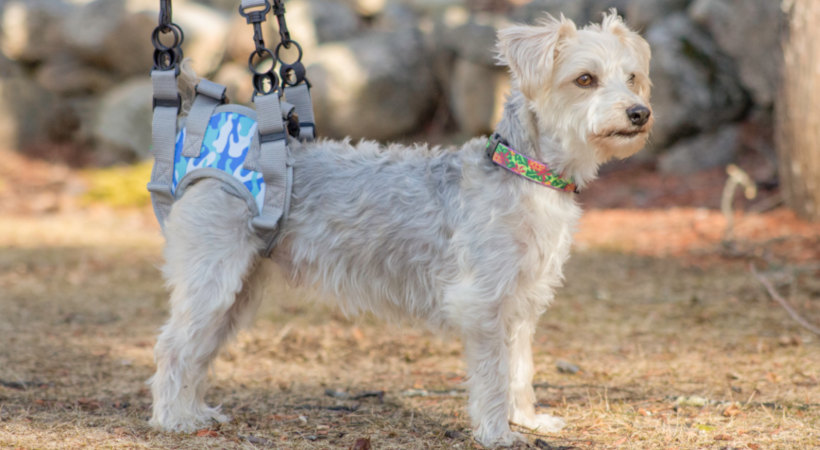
{"x":530,"y":50}
{"x":613,"y":23}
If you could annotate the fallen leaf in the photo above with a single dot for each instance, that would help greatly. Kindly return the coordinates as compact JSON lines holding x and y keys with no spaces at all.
{"x":788,"y":341}
{"x":723,"y":437}
{"x":88,"y":404}
{"x":357,"y":334}
{"x":644,"y":412}
{"x":206,"y":432}
{"x":772,"y":377}
{"x":361,"y":444}
{"x":732,"y":410}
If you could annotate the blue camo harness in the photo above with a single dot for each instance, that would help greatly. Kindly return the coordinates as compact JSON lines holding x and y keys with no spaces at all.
{"x":225,"y":146}
{"x":244,"y":148}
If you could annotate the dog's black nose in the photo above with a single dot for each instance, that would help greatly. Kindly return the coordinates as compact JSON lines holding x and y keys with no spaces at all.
{"x":638,"y":114}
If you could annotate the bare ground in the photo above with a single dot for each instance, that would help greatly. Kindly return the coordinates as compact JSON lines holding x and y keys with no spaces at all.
{"x":675,"y":343}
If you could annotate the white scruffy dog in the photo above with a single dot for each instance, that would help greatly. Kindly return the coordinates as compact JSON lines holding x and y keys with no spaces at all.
{"x":441,"y":235}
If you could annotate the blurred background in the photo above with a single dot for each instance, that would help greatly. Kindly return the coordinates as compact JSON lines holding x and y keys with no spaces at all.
{"x":74,"y":85}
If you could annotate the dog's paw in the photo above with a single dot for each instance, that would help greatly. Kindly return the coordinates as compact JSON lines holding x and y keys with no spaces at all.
{"x":504,"y":439}
{"x":541,"y":423}
{"x":187,"y":422}
{"x":215,"y":415}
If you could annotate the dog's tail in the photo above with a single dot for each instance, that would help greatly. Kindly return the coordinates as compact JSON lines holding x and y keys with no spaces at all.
{"x":186,"y":84}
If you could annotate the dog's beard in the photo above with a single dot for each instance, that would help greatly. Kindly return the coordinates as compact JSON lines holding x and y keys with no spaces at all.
{"x":618,"y":144}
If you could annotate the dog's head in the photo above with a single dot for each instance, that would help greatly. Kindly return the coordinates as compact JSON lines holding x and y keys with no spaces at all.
{"x":589,"y":84}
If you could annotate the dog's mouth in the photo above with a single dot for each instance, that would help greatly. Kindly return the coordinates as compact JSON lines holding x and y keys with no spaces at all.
{"x":626,"y":134}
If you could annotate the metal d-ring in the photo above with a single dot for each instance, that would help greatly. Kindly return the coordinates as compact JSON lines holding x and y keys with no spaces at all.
{"x":286,"y":44}
{"x":295,"y":71}
{"x":167,"y":59}
{"x":174,"y":29}
{"x":259,"y":83}
{"x":263,"y":53}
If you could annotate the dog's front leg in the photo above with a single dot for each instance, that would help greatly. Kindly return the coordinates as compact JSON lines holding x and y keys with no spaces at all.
{"x":487,"y":355}
{"x":522,"y":394}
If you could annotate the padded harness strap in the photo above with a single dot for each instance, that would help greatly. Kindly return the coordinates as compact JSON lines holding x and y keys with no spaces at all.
{"x":164,"y":127}
{"x":299,"y":96}
{"x":273,"y":162}
{"x":209,"y":96}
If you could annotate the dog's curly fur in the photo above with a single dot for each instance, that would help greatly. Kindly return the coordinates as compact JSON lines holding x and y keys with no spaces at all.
{"x":439,"y":235}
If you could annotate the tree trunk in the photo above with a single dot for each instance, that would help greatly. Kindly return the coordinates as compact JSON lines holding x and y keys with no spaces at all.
{"x":798,"y":109}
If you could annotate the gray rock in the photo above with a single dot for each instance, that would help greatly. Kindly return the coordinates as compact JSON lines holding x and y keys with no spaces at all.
{"x":436,"y":7}
{"x":640,"y":14}
{"x":310,"y":22}
{"x":397,"y":16}
{"x":702,"y":152}
{"x":375,"y":86}
{"x":695,"y":87}
{"x":222,"y":5}
{"x":477,"y":96}
{"x":64,"y":75}
{"x":206,"y":32}
{"x":749,"y":32}
{"x":368,"y":8}
{"x":239,"y":42}
{"x":531,"y":11}
{"x":238,"y":81}
{"x":115,"y":35}
{"x":315,"y":22}
{"x":597,"y":8}
{"x":30,"y":31}
{"x":106,"y":34}
{"x":122,"y":127}
{"x":75,"y":118}
{"x":471,"y":37}
{"x":333,"y":21}
{"x":26,"y":107}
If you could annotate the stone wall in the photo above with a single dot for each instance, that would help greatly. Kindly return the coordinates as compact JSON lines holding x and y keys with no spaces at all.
{"x":75,"y":72}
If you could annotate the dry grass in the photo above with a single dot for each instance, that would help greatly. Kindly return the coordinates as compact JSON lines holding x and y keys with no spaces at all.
{"x":675,"y":350}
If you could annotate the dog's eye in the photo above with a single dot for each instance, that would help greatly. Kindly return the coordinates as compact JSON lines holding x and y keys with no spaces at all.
{"x":631,"y":79}
{"x":586,"y":80}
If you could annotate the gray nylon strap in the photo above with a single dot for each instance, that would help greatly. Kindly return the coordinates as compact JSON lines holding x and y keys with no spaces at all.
{"x":268,"y":114}
{"x":209,"y":96}
{"x":299,"y":96}
{"x":272,"y":160}
{"x":164,"y":123}
{"x":286,"y":108}
{"x":164,"y":130}
{"x":214,"y":90}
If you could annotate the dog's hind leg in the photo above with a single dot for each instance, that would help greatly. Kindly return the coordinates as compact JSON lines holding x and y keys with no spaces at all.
{"x":210,"y":254}
{"x":522,"y":394}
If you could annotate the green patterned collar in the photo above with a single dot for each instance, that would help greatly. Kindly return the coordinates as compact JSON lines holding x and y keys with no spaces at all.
{"x":500,"y":152}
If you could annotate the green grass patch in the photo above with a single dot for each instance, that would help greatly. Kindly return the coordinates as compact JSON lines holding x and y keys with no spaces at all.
{"x":121,"y":186}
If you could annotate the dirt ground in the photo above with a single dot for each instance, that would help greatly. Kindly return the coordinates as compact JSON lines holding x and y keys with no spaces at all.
{"x":661,"y":338}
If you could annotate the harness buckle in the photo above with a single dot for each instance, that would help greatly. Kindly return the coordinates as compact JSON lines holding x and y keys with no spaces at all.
{"x":166,"y":102}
